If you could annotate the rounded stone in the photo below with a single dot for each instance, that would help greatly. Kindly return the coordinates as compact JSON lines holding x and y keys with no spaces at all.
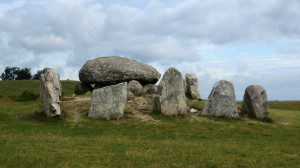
{"x":255,"y":103}
{"x":222,"y":101}
{"x":116,"y":69}
{"x":135,"y":87}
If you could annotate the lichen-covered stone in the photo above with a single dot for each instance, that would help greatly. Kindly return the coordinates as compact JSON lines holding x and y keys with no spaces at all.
{"x":130,"y":95}
{"x":221,"y":101}
{"x":184,"y":85}
{"x":50,"y":93}
{"x":192,"y":86}
{"x":171,"y":99}
{"x":255,"y":103}
{"x":115,"y":69}
{"x":150,"y":89}
{"x":109,"y":102}
{"x":135,"y":87}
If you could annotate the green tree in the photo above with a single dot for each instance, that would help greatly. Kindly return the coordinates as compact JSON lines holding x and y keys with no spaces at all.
{"x":24,"y":74}
{"x":37,"y":75}
{"x":10,"y":73}
{"x":16,"y":73}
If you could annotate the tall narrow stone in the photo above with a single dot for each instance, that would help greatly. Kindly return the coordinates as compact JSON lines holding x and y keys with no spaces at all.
{"x":50,"y":93}
{"x":221,"y":101}
{"x":192,"y":86}
{"x":255,"y":103}
{"x":109,"y":102}
{"x":171,"y":98}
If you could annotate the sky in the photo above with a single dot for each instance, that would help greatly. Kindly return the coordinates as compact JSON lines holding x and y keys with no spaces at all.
{"x":244,"y":42}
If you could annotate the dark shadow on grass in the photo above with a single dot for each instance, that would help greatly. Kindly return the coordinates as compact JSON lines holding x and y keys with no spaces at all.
{"x":40,"y":116}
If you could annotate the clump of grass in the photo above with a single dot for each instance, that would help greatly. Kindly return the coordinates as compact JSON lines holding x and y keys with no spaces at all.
{"x":196,"y":104}
{"x":27,"y":95}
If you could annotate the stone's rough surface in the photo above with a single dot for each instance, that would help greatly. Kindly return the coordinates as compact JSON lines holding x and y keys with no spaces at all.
{"x":150,"y":89}
{"x":221,"y":101}
{"x":184,"y":85}
{"x":192,"y":86}
{"x":171,"y":98}
{"x":115,"y":69}
{"x":82,"y":88}
{"x":135,"y":87}
{"x":50,"y":93}
{"x":130,"y":95}
{"x":255,"y":102}
{"x":109,"y":102}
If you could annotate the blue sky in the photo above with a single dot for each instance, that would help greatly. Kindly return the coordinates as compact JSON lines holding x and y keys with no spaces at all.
{"x":245,"y":42}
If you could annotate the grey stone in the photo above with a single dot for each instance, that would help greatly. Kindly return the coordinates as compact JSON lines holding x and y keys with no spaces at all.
{"x":150,"y":89}
{"x":50,"y":93}
{"x":115,"y":69}
{"x":221,"y":101}
{"x":171,"y":99}
{"x":135,"y":87}
{"x":82,"y":88}
{"x":184,"y":85}
{"x":109,"y":102}
{"x":192,"y":86}
{"x":255,"y":103}
{"x":130,"y":95}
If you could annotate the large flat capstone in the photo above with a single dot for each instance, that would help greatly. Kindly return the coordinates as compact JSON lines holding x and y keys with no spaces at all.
{"x":115,"y":69}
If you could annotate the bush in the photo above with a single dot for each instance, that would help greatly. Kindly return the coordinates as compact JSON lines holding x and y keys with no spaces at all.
{"x":27,"y":96}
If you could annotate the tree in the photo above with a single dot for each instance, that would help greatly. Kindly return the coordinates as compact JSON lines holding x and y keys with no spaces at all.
{"x":37,"y":75}
{"x":15,"y":73}
{"x":24,"y":74}
{"x":10,"y":73}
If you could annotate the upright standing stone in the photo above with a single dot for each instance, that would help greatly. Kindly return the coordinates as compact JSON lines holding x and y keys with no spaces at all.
{"x":221,"y":101}
{"x":192,"y":86}
{"x":184,"y":85}
{"x":50,"y":92}
{"x":171,"y":98}
{"x":109,"y":102}
{"x":255,"y":102}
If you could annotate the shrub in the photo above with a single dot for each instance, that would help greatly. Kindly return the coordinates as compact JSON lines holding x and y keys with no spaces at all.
{"x":27,"y":96}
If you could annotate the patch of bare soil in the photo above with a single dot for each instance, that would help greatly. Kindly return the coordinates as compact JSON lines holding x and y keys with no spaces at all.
{"x":74,"y":109}
{"x":284,"y":123}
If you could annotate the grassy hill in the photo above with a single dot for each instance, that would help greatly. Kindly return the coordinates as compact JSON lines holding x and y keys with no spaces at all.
{"x":12,"y":89}
{"x":28,"y":139}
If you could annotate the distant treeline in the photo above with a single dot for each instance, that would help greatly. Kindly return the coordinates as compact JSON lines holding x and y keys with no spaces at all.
{"x":16,"y":73}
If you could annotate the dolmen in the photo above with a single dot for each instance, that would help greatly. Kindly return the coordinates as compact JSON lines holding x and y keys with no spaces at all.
{"x":255,"y":103}
{"x":221,"y":102}
{"x":116,"y":79}
{"x":50,"y":93}
{"x":171,"y":99}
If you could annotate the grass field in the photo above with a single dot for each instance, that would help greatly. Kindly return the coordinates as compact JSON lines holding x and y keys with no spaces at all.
{"x":28,"y":139}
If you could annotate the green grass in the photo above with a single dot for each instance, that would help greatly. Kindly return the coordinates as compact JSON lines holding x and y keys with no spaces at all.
{"x":13,"y":89}
{"x":28,"y":139}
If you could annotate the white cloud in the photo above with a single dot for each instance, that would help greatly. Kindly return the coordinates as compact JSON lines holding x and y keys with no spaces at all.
{"x":65,"y":33}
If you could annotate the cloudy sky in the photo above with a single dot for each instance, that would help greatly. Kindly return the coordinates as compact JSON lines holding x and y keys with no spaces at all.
{"x":245,"y":42}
